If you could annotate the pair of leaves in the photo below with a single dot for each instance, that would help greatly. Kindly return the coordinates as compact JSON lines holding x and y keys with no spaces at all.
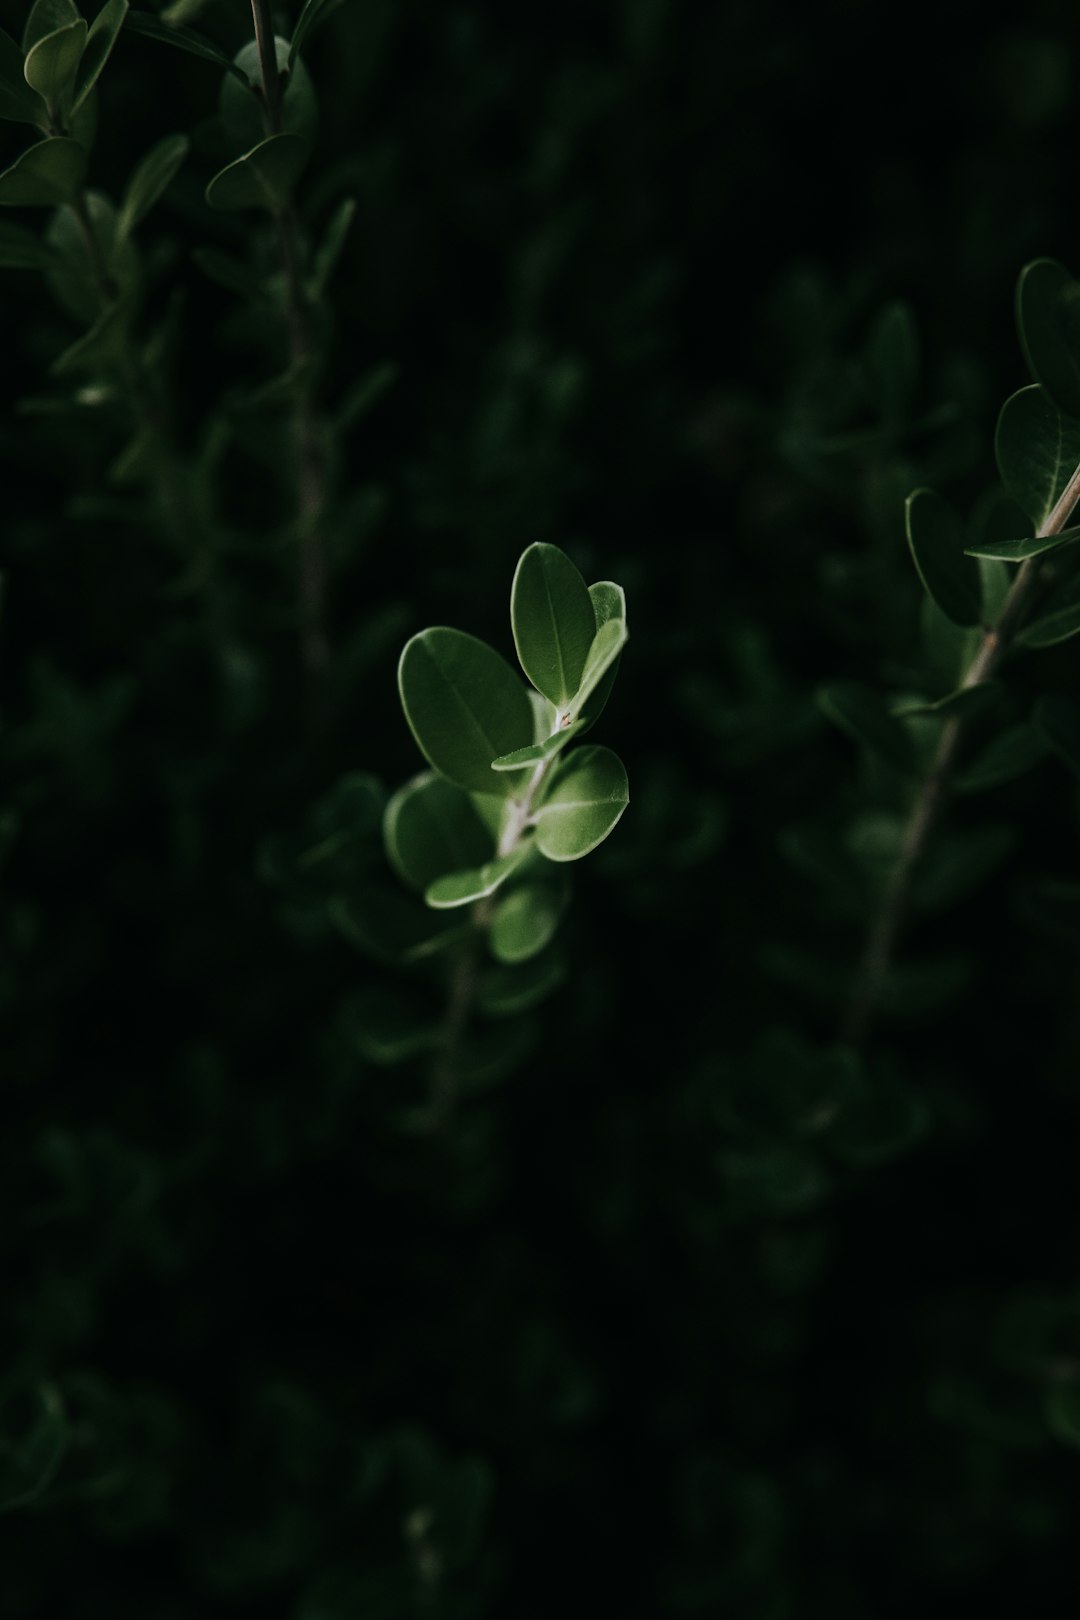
{"x":568,"y":635}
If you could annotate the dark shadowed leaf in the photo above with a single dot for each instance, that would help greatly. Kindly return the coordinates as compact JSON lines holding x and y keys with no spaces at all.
{"x":861,"y":712}
{"x":1038,"y":450}
{"x":1012,"y":754}
{"x":45,"y":175}
{"x":149,"y":182}
{"x":430,"y":828}
{"x":1046,"y":316}
{"x":1020,"y":550}
{"x":18,"y":103}
{"x":937,"y":539}
{"x":891,"y":360}
{"x":102,"y":37}
{"x":262,"y":178}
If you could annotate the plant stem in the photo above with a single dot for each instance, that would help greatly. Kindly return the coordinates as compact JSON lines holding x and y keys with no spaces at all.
{"x":311,"y":461}
{"x":464,"y":976}
{"x":880,"y":948}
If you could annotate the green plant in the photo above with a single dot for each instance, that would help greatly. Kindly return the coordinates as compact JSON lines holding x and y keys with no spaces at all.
{"x":483,"y":838}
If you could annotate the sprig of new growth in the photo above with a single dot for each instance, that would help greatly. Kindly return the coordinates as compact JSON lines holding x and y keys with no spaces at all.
{"x":1038,"y":455}
{"x":484,"y":836}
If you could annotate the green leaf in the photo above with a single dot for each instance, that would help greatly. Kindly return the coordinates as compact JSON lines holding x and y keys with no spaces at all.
{"x":465,"y":706}
{"x":18,"y":103}
{"x":599,"y":671}
{"x":525,"y":921}
{"x":101,"y":348}
{"x":52,"y":64}
{"x":262,"y":178}
{"x":1008,"y":756}
{"x":1019,"y":550}
{"x":390,"y":1026}
{"x":1046,"y":316}
{"x":331,"y":247}
{"x":47,"y":17}
{"x":536,"y":753}
{"x":20,"y":249}
{"x":241,"y":102}
{"x":462,"y":888}
{"x":100,"y":41}
{"x":312,"y":13}
{"x":1052,"y":628}
{"x":965,"y":701}
{"x":45,"y":175}
{"x":937,"y":539}
{"x":507,"y":991}
{"x":151,"y":179}
{"x":553,"y":621}
{"x":71,"y":274}
{"x":861,"y":712}
{"x":1038,"y":450}
{"x":584,"y":801}
{"x":1057,"y":720}
{"x":609,"y":602}
{"x":183,"y":39}
{"x":891,"y":360}
{"x":229,"y":273}
{"x":430,"y":828}
{"x":392,"y":928}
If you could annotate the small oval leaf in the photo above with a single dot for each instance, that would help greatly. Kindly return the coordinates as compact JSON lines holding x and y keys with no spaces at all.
{"x":585,"y":800}
{"x":262,"y":178}
{"x":936,"y":538}
{"x":151,"y":179}
{"x":1038,"y":450}
{"x":553,"y":621}
{"x":465,"y":707}
{"x":462,"y":888}
{"x":1046,"y":316}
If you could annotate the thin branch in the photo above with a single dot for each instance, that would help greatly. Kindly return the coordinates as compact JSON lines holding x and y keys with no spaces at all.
{"x":881,"y":943}
{"x":311,"y":461}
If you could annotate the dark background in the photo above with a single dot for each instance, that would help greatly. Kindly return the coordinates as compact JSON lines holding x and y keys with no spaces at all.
{"x":264,"y":1351}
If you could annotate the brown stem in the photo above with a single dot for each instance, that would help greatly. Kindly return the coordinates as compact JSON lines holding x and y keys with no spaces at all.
{"x":882,"y":940}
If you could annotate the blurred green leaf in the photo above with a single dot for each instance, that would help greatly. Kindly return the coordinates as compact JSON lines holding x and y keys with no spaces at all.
{"x":47,"y":17}
{"x":582,"y":804}
{"x":937,"y":539}
{"x":312,"y":14}
{"x":241,"y":102}
{"x":891,"y":360}
{"x":861,"y":712}
{"x":262,"y":178}
{"x":553,"y":621}
{"x":1038,"y":450}
{"x":18,"y":103}
{"x":103,"y":347}
{"x":391,"y":1025}
{"x":966,"y":701}
{"x":1046,"y":316}
{"x":525,"y":921}
{"x":331,"y":247}
{"x":509,"y":990}
{"x":44,"y":175}
{"x":1062,"y":1408}
{"x":1052,"y":628}
{"x":150,"y":180}
{"x":465,"y":707}
{"x":183,"y":39}
{"x":1009,"y":755}
{"x":462,"y":888}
